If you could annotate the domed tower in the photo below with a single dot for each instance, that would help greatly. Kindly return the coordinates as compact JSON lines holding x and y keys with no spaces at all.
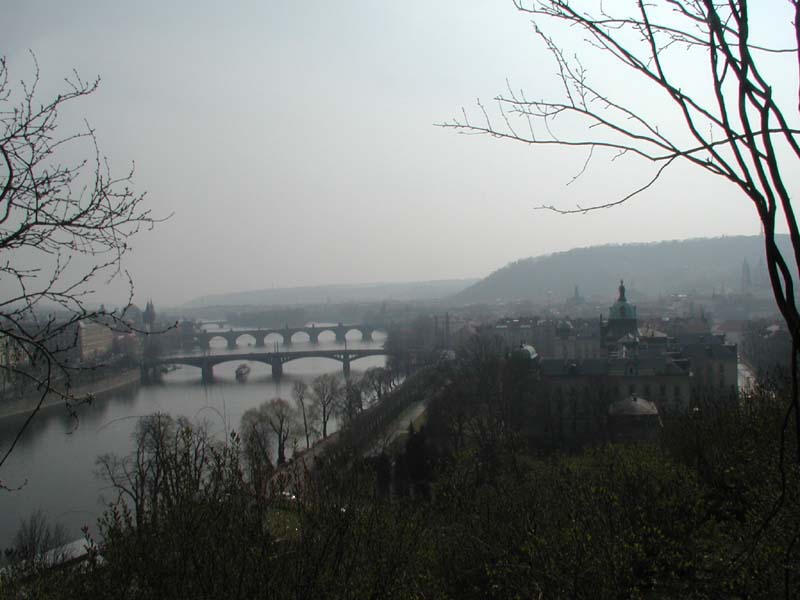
{"x":622,"y":319}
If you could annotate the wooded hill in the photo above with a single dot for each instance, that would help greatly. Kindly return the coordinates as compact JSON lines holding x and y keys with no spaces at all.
{"x":701,"y":265}
{"x":366,"y":292}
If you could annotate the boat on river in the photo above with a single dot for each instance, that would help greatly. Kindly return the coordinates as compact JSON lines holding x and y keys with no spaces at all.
{"x":242,"y":371}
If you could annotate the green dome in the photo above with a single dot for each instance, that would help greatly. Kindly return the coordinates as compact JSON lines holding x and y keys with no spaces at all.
{"x":622,"y":309}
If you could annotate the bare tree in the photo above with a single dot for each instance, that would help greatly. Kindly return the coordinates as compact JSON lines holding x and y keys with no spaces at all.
{"x":256,"y":438}
{"x":736,"y":124}
{"x":275,"y":420}
{"x":351,"y":399}
{"x":282,"y":420}
{"x":170,"y":457}
{"x":300,"y":393}
{"x":325,"y":392}
{"x":65,"y":222}
{"x":38,"y":544}
{"x":377,"y":382}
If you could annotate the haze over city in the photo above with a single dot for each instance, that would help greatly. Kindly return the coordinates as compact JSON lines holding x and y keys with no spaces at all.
{"x":294,"y":142}
{"x":400,"y":300}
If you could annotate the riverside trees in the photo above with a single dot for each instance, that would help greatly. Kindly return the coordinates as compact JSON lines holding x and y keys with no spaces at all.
{"x":326,"y":391}
{"x":274,"y":420}
{"x":300,"y":395}
{"x":277,"y":422}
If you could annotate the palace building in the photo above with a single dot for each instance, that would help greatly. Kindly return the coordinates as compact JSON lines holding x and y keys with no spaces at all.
{"x":614,"y":379}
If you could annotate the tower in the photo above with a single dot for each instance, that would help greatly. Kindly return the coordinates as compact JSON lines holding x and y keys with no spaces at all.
{"x":622,"y":318}
{"x":149,"y":315}
{"x":747,"y":282}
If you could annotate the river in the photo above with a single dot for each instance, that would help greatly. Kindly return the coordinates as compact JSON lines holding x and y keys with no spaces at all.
{"x":54,"y":462}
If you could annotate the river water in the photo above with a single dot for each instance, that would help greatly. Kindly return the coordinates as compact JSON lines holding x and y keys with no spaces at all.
{"x":54,"y":462}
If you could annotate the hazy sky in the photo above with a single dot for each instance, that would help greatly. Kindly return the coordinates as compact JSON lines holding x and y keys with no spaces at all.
{"x":295,"y":141}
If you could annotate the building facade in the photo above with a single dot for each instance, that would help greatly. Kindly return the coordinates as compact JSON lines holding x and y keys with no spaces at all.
{"x":590,"y":379}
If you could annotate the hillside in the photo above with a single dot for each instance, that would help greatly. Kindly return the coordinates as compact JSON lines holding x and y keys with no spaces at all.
{"x":368,"y":292}
{"x":701,"y":265}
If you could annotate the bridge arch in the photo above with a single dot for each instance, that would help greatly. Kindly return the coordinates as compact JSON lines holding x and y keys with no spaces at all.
{"x":216,"y":340}
{"x":301,"y":358}
{"x":365,"y":333}
{"x":355,"y":358}
{"x":273,"y":337}
{"x":326,"y":334}
{"x":305,"y":336}
{"x":246,"y":339}
{"x":223,"y":359}
{"x":349,"y":330}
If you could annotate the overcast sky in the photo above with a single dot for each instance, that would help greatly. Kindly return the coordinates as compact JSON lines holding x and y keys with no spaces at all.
{"x":295,"y":141}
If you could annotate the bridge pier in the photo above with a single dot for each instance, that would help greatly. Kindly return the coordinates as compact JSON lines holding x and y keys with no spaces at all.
{"x":260,"y":340}
{"x":313,"y":335}
{"x":207,"y":373}
{"x":287,"y":337}
{"x":346,"y":366}
{"x":146,"y":373}
{"x":277,"y":369}
{"x":231,"y":342}
{"x":366,"y":335}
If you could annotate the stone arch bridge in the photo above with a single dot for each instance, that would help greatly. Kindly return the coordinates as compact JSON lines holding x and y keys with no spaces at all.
{"x":231,"y":337}
{"x":276,"y":360}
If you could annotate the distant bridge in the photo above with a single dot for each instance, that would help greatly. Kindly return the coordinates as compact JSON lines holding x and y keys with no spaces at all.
{"x":276,"y":360}
{"x":231,"y":337}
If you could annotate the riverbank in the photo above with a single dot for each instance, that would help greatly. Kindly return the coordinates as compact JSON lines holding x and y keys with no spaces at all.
{"x":107,"y":385}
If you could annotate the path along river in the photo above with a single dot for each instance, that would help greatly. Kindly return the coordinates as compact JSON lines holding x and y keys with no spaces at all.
{"x":54,"y":462}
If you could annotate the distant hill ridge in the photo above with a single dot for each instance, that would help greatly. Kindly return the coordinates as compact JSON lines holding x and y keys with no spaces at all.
{"x":367,"y":292}
{"x":701,"y":264}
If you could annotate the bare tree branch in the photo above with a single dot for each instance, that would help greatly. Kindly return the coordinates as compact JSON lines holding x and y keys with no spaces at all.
{"x":65,"y":223}
{"x":731,"y":125}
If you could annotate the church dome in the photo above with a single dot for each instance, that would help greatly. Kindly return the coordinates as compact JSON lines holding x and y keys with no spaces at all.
{"x":622,"y":309}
